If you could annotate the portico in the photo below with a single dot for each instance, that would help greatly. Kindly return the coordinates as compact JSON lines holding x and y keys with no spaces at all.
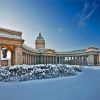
{"x":13,"y":41}
{"x":89,"y":56}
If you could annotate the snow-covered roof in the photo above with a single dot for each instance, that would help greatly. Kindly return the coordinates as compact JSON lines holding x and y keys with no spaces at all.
{"x":40,"y":50}
{"x":28,"y":48}
{"x":72,"y":52}
{"x":5,"y":34}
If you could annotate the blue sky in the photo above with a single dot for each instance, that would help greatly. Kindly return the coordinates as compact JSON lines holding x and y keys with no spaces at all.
{"x":64,"y":24}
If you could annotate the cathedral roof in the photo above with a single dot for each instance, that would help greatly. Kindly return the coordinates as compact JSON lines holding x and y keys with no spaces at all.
{"x":40,"y":37}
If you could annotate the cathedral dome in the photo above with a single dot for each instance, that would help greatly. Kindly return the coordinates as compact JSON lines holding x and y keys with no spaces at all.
{"x":40,"y":37}
{"x":40,"y":42}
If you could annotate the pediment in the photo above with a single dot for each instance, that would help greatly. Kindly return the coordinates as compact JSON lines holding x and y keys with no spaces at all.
{"x":49,"y":51}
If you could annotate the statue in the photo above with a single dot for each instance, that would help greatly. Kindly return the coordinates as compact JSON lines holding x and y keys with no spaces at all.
{"x":4,"y":51}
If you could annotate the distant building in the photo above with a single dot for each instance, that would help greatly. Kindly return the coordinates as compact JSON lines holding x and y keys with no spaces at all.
{"x":19,"y":53}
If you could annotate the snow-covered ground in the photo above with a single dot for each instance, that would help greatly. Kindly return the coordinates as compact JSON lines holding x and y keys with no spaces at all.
{"x":83,"y":86}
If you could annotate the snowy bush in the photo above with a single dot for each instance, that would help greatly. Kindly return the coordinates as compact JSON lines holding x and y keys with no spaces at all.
{"x":32,"y":72}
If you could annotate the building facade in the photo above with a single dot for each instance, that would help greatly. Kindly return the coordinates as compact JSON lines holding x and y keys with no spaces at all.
{"x":19,"y":53}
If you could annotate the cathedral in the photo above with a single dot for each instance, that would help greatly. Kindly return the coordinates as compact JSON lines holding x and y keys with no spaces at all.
{"x":13,"y":51}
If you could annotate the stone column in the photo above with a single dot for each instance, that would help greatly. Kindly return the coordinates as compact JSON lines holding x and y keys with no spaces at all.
{"x":23,"y":58}
{"x":74,"y":57}
{"x":0,"y":51}
{"x":86,"y":59}
{"x":59,"y":60}
{"x":26,"y":58}
{"x":62,"y":60}
{"x":82,"y":61}
{"x":55,"y":60}
{"x":18,"y":55}
{"x":34,"y":60}
{"x":30,"y":60}
{"x":0,"y":55}
{"x":52,"y":59}
{"x":49,"y":59}
{"x":37,"y":59}
{"x":44,"y":59}
{"x":91,"y":59}
{"x":98,"y":59}
{"x":71,"y":58}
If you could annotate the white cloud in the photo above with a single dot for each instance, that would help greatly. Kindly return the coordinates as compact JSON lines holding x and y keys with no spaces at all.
{"x":86,"y":12}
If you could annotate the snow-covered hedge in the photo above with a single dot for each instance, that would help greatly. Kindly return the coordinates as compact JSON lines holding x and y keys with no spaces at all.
{"x":32,"y":72}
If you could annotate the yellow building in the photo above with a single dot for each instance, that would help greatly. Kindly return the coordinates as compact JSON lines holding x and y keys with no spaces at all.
{"x":19,"y":53}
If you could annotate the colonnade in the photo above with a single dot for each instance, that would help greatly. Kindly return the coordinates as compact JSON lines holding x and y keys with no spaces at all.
{"x":92,"y":59}
{"x":81,"y":60}
{"x":38,"y":59}
{"x":59,"y":59}
{"x":45,"y":59}
{"x":29,"y":59}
